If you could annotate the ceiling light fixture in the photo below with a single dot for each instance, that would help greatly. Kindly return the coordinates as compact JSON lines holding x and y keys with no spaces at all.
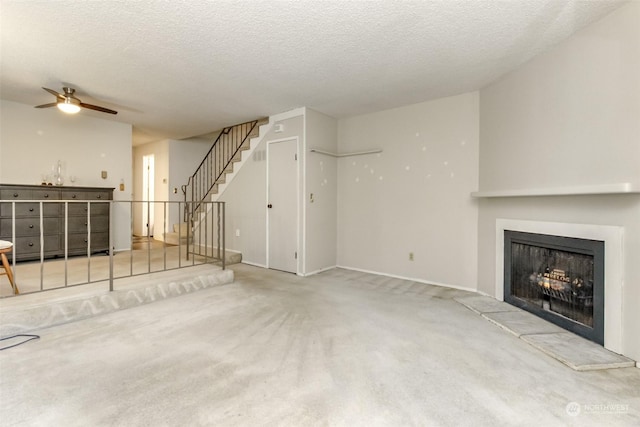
{"x":69,"y":105}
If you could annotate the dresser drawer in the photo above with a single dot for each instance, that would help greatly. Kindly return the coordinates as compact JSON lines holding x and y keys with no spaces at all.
{"x":86,"y":195}
{"x":24,"y":246}
{"x":99,"y":242}
{"x":29,"y":226}
{"x":29,"y":209}
{"x":76,"y":209}
{"x":45,"y":194}
{"x":16,"y":194}
{"x":80,"y":224}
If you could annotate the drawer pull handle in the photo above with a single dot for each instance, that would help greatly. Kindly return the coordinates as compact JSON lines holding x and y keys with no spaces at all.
{"x":30,"y":225}
{"x":46,"y":196}
{"x":99,"y":196}
{"x":85,"y":223}
{"x":30,"y":209}
{"x":73,"y":196}
{"x":85,"y":240}
{"x":15,"y":194}
{"x":30,"y":243}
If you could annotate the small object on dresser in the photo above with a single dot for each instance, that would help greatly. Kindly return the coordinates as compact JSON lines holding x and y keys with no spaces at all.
{"x":58,"y":174}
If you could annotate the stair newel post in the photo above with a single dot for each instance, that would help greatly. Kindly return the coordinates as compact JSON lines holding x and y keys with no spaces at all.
{"x":223,"y":232}
{"x":200,"y":236}
{"x":186,"y":220}
{"x":217,"y":231}
{"x":165,"y":229}
{"x":227,"y":138}
{"x":189,"y":211}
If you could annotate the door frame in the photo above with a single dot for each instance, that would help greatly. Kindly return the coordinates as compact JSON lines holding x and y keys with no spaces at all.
{"x":297,"y":228}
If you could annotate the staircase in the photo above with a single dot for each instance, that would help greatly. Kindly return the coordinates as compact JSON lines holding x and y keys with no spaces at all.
{"x":215,"y":171}
{"x":220,"y":161}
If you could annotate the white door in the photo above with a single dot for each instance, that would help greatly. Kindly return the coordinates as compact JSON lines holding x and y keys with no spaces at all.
{"x":282,"y":205}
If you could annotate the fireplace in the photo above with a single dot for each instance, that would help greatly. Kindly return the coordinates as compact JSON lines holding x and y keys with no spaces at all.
{"x":560,"y":279}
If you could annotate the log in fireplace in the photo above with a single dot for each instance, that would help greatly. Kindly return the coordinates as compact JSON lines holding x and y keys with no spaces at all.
{"x":560,"y":279}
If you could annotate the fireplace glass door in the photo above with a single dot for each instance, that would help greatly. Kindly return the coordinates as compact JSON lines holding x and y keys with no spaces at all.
{"x":557,"y":278}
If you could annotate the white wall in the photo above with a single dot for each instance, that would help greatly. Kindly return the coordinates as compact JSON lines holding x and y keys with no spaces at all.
{"x":32,"y":140}
{"x":413,"y":197}
{"x":321,"y":180}
{"x":570,"y":117}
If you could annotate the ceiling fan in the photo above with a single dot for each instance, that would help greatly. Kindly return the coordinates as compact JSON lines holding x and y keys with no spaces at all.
{"x":68,"y":103}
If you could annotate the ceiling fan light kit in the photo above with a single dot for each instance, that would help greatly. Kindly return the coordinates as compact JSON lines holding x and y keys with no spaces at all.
{"x":68,"y":103}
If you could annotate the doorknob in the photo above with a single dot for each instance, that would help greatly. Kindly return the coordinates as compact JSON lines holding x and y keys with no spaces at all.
{"x":269,"y":205}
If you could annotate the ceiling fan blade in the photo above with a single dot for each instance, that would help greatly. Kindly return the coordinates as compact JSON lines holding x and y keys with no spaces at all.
{"x":97,"y":108}
{"x":54,"y":93}
{"x":53,"y":104}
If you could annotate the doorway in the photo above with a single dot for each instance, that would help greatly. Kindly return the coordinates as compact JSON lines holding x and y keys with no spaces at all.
{"x":282,"y":205}
{"x":148,"y":194}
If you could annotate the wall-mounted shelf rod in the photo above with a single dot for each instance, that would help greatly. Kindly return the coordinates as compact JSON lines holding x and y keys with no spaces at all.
{"x":357,"y":153}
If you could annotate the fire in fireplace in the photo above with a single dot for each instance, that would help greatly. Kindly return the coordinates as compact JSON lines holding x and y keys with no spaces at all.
{"x":560,"y":279}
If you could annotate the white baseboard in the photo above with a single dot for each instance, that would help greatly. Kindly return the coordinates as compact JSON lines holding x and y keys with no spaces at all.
{"x":319,"y":271}
{"x":426,"y":282}
{"x":254,"y":264}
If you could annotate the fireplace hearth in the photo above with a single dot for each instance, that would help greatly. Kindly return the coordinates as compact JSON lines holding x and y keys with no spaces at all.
{"x":560,"y":279}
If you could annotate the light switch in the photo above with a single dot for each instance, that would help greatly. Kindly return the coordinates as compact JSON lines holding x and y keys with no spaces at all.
{"x":104,"y":174}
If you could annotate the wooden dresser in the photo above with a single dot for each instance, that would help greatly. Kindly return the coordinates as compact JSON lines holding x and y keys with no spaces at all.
{"x":27,"y":219}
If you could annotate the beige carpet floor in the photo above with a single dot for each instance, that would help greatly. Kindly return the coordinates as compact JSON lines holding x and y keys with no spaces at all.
{"x":341,"y":348}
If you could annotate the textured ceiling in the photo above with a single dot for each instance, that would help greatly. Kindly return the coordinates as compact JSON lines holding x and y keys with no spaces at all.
{"x":176,"y":69}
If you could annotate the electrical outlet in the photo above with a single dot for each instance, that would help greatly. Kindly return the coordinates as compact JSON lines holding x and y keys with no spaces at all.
{"x":237,"y":232}
{"x":410,"y":256}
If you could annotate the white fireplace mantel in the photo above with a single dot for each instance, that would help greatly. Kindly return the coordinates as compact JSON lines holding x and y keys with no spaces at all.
{"x":583,"y":190}
{"x":613,"y":265}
